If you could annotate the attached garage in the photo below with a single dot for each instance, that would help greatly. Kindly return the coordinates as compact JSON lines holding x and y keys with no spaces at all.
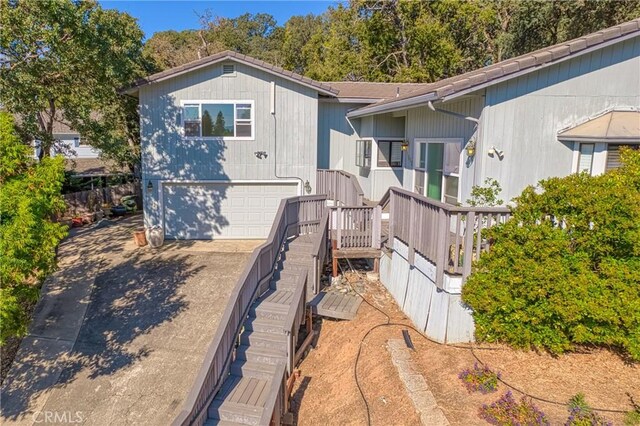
{"x":220,"y":210}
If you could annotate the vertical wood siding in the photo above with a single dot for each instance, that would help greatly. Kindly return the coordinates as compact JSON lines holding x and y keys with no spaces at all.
{"x":168,"y":156}
{"x":424,"y":123}
{"x":523,"y":115}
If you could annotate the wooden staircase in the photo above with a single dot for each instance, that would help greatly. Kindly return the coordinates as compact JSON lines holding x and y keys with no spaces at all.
{"x":263,"y":350}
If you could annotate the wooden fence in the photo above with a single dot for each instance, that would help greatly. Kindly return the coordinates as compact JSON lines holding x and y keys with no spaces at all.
{"x":295,"y":216}
{"x":93,"y":199}
{"x":341,"y":187}
{"x":448,"y":236}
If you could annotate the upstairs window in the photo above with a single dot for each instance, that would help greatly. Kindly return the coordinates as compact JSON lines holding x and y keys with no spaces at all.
{"x":218,"y":119}
{"x":613,"y":155}
{"x":363,"y":153}
{"x":390,"y":153}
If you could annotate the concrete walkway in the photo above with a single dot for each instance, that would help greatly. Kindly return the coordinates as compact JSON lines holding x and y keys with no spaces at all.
{"x":120,"y":332}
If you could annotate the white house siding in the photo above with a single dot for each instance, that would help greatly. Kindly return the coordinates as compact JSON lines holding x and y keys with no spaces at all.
{"x":523,"y":115}
{"x":168,"y":157}
{"x":67,"y":141}
{"x":423,"y":123}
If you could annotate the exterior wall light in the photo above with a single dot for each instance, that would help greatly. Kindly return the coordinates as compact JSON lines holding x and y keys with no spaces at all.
{"x":307,"y":187}
{"x":149,"y":186}
{"x":405,"y":146}
{"x":471,"y":148}
{"x":493,"y":151}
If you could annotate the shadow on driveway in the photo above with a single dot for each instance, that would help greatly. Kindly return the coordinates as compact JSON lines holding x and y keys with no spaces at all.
{"x":119,"y":334}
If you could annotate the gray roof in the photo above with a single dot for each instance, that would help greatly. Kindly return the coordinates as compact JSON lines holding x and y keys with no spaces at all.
{"x":238,"y":57}
{"x":93,"y":167}
{"x":374,"y":91}
{"x":501,"y":71}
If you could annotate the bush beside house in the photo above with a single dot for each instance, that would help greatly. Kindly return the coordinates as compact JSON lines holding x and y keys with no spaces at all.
{"x":565,"y":270}
{"x":30,"y":197}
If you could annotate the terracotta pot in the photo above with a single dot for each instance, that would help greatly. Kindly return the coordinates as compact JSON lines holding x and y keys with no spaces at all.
{"x":140,"y":238}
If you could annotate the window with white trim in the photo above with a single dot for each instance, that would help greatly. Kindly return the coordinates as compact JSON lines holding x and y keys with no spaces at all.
{"x":585,"y":159}
{"x":218,"y":119}
{"x":390,"y":153}
{"x":363,"y":153}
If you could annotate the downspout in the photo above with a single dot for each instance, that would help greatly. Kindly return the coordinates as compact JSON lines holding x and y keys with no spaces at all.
{"x":275,"y":143}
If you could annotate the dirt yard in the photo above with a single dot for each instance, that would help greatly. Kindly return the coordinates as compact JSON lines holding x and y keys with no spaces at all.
{"x":326,"y":392}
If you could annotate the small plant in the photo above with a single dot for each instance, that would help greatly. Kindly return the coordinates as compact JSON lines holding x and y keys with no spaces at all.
{"x":508,"y":412}
{"x":481,"y":379}
{"x":486,"y":196}
{"x":632,"y":418}
{"x":581,"y":414}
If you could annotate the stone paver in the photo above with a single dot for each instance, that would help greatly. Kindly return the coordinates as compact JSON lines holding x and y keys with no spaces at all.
{"x":417,"y":387}
{"x":120,"y":333}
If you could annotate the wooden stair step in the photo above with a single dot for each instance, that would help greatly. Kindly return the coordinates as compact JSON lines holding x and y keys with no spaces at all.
{"x":275,"y":296}
{"x":265,"y":355}
{"x":234,"y":412}
{"x":259,"y":339}
{"x":270,"y":311}
{"x":264,"y":325}
{"x":258,"y":370}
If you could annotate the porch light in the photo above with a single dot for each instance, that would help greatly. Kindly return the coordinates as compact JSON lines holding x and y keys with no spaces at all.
{"x":405,"y":146}
{"x":471,"y":148}
{"x":149,"y":186}
{"x":307,"y":187}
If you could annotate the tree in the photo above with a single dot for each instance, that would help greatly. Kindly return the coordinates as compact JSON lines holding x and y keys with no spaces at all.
{"x":29,"y":198}
{"x":218,"y":128}
{"x":65,"y":60}
{"x":207,"y":124}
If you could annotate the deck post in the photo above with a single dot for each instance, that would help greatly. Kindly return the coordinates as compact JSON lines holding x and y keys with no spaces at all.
{"x":412,"y":219}
{"x":339,"y":227}
{"x":468,"y":245}
{"x":441,"y":248}
{"x":376,"y":229}
{"x":391,"y":218}
{"x":334,"y":266}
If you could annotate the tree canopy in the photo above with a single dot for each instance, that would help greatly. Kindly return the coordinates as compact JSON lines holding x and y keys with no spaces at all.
{"x":63,"y":60}
{"x":394,"y":40}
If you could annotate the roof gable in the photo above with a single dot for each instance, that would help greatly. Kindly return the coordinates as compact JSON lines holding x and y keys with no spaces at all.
{"x":236,"y":57}
{"x":612,"y":126}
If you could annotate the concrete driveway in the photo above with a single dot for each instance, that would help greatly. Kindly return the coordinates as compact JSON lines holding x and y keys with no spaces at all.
{"x":120,"y":333}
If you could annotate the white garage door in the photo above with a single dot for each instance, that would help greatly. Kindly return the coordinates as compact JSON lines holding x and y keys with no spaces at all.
{"x":204,"y":211}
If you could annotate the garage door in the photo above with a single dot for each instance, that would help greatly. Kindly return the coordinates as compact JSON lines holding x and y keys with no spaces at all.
{"x":203,"y":211}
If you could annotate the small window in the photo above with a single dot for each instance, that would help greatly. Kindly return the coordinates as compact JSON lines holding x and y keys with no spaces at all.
{"x":585,"y":161}
{"x":363,"y":153}
{"x":228,"y":69}
{"x":191,"y":113}
{"x":390,"y":153}
{"x":451,"y":189}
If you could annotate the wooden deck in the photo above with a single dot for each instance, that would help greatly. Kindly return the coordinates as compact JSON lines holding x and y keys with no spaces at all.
{"x":333,"y":304}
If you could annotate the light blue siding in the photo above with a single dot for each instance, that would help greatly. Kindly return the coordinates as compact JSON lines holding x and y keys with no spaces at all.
{"x":167,"y":156}
{"x":523,"y":115}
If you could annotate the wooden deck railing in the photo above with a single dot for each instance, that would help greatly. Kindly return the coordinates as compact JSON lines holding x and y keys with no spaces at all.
{"x":356,"y":227}
{"x":448,"y":236}
{"x":295,"y":216}
{"x":341,"y":187}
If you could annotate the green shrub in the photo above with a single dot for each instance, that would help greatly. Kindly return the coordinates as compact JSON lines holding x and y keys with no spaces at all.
{"x":565,"y":269}
{"x":29,"y":198}
{"x":581,"y":413}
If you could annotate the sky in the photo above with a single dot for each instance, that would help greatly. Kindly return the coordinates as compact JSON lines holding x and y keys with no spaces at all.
{"x":154,"y":15}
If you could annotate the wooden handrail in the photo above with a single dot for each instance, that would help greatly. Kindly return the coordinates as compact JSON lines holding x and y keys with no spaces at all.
{"x":340,"y":186}
{"x":450,"y":237}
{"x":259,"y":270}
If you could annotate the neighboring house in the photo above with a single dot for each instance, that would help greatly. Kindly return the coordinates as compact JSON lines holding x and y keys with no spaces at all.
{"x":226,"y":137}
{"x":69,"y":142}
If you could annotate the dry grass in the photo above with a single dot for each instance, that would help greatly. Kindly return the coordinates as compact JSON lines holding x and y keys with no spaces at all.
{"x":326,"y":392}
